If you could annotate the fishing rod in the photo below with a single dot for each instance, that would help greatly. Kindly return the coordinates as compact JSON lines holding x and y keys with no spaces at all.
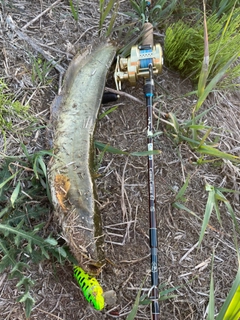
{"x":145,"y":61}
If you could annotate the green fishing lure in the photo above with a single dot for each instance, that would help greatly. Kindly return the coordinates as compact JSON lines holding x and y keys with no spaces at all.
{"x":91,"y":289}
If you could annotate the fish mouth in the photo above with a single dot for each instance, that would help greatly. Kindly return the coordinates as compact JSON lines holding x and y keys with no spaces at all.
{"x":93,"y":268}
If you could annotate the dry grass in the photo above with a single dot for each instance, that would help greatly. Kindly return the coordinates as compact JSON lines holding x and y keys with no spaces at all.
{"x":122,"y":186}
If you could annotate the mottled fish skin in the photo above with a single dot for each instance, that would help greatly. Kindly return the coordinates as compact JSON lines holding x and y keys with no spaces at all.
{"x":70,"y":169}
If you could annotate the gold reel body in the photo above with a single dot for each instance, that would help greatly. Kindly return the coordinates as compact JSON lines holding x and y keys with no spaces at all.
{"x":136,"y":65}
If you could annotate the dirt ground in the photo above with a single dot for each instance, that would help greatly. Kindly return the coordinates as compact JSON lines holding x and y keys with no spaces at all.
{"x":122,"y":182}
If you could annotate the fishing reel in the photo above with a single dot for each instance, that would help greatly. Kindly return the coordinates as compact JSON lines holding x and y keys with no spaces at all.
{"x":137,"y":64}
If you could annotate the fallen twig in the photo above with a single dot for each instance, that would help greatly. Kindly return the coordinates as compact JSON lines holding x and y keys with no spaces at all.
{"x":36,"y":47}
{"x":129,"y":96}
{"x":40,"y":15}
{"x":124,"y":94}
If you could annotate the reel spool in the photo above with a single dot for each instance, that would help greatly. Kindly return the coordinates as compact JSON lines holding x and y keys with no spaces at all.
{"x":136,"y":65}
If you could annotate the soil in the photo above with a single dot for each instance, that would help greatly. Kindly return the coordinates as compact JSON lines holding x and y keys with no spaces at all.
{"x":122,"y":184}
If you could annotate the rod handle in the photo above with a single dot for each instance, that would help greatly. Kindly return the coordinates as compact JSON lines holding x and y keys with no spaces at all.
{"x":147,"y":34}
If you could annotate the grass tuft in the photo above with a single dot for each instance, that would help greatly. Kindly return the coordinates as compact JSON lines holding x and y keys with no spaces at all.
{"x":230,"y":309}
{"x":40,"y":70}
{"x":11,"y":112}
{"x":24,"y":204}
{"x":105,"y":10}
{"x":184,"y":48}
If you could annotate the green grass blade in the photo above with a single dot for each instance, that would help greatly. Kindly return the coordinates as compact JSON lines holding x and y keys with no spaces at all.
{"x":167,"y":297}
{"x":222,"y":36}
{"x":105,"y":147}
{"x":211,"y":151}
{"x":192,"y":142}
{"x":133,"y":313}
{"x":135,"y":7}
{"x":41,"y":163}
{"x":102,"y":146}
{"x":25,"y":151}
{"x":228,"y":190}
{"x":208,"y":211}
{"x":112,"y":21}
{"x":104,"y":114}
{"x":8,"y":179}
{"x":161,"y":12}
{"x":211,"y":295}
{"x":199,"y":126}
{"x":145,"y":153}
{"x":214,"y":82}
{"x":73,"y":10}
{"x":101,"y":9}
{"x":205,"y":65}
{"x":106,"y":12}
{"x":174,"y":122}
{"x":15,"y":193}
{"x":230,"y":309}
{"x":167,"y":291}
{"x":36,"y":168}
{"x":181,"y":206}
{"x":181,"y":192}
{"x":217,"y":212}
{"x":198,"y":117}
{"x":204,"y":138}
{"x":230,"y":210}
{"x":163,"y":294}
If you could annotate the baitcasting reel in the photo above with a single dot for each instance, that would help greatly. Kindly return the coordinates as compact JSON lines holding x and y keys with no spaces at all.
{"x":137,"y":64}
